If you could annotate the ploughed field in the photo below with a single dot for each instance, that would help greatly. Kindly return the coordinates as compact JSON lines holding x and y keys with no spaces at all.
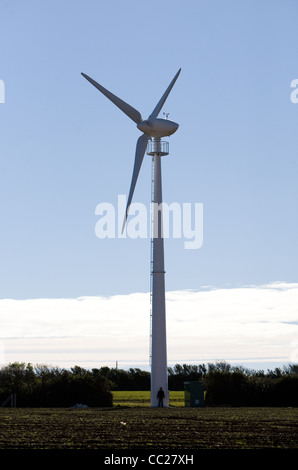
{"x":142,"y":427}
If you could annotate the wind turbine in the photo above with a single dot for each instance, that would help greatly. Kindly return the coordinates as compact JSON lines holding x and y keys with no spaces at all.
{"x":152,"y":130}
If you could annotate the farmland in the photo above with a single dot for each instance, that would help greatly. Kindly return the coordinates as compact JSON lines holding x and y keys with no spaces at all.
{"x":142,"y":398}
{"x":132,"y":424}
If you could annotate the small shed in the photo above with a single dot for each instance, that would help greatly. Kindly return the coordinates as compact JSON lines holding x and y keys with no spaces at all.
{"x":194,"y":394}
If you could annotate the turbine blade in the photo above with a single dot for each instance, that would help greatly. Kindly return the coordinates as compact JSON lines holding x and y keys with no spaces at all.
{"x":162,"y":100}
{"x":126,"y":108}
{"x":140,"y":152}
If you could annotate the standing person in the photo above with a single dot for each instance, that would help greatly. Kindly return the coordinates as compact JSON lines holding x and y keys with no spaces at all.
{"x":160,"y":396}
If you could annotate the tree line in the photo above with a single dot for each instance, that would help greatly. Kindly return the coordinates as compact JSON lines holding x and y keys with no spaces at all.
{"x":43,"y":386}
{"x":224,"y":384}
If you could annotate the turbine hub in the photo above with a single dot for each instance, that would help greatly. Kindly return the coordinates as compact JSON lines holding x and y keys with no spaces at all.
{"x":158,"y":128}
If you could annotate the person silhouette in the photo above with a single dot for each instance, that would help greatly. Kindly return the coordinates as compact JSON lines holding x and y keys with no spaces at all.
{"x":160,"y":396}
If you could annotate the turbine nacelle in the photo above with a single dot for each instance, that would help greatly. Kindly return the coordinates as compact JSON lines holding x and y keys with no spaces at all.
{"x":158,"y":128}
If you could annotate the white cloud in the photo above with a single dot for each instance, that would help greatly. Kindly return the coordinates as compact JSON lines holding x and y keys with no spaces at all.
{"x":248,"y":324}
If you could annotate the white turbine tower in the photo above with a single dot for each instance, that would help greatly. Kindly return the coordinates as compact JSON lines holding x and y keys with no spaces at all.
{"x":153,"y":129}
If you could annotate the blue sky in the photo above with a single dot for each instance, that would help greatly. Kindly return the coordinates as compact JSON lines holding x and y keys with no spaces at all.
{"x":65,"y":148}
